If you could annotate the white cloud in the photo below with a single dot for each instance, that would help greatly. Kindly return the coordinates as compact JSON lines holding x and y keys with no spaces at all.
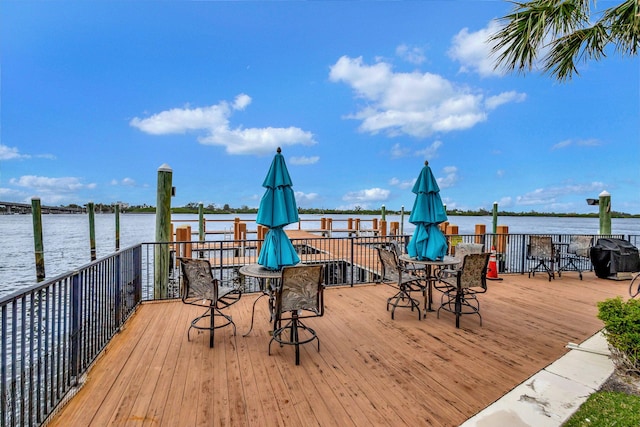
{"x":42,"y":182}
{"x":11,"y":153}
{"x":368,"y":195}
{"x":129,"y":182}
{"x":305,"y":199}
{"x":450,"y":178}
{"x":546,"y":196}
{"x":473,"y":51}
{"x":505,"y":202}
{"x":214,"y":122}
{"x":578,"y":142}
{"x":398,"y":151}
{"x":303,"y":160}
{"x":431,"y":151}
{"x":241,"y":102}
{"x":403,"y":185}
{"x":416,"y":104}
{"x":494,"y":102}
{"x":414,"y":55}
{"x":52,"y":190}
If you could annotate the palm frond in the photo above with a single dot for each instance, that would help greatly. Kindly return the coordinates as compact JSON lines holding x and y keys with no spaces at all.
{"x":580,"y":45}
{"x":528,"y":28}
{"x":623,"y":22}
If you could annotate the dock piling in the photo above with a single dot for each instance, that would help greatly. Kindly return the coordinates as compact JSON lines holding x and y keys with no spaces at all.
{"x":92,"y":230}
{"x":36,"y":212}
{"x":163,"y":231}
{"x":117,"y":210}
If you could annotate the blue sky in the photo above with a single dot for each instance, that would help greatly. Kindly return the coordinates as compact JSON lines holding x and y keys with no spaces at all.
{"x":96,"y":96}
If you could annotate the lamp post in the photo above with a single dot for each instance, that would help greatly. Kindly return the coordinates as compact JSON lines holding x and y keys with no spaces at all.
{"x":604,"y":203}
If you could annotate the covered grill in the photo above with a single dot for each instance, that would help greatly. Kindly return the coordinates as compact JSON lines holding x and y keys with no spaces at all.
{"x":612,"y":256}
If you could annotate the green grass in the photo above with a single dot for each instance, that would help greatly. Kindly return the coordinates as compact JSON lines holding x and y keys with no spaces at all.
{"x":607,"y":408}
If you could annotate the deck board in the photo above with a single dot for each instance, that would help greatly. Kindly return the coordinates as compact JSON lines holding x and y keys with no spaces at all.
{"x":370,"y":370}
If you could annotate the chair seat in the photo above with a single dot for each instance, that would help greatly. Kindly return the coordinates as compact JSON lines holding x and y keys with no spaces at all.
{"x":199,"y":288}
{"x":463,"y":286}
{"x":299,"y":296}
{"x":405,"y":280}
{"x":541,"y":251}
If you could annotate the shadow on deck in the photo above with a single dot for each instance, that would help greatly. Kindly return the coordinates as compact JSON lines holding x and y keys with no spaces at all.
{"x":370,"y":370}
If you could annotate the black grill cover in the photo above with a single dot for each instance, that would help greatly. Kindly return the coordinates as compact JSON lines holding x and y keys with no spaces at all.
{"x":612,"y":256}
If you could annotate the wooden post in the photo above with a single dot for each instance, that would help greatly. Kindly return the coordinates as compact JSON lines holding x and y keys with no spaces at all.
{"x":236,"y":229}
{"x":604,"y":203}
{"x":183,"y":241}
{"x":394,"y":226}
{"x":92,"y":230}
{"x":501,"y":246}
{"x":383,"y":213}
{"x":383,"y":227}
{"x":117,"y":227}
{"x":402,"y":220}
{"x":36,"y":213}
{"x":163,"y":232}
{"x":480,"y":231}
{"x":454,"y":239}
{"x":201,"y":222}
{"x":495,"y":222}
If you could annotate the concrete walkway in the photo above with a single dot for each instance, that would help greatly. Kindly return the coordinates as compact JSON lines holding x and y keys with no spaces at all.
{"x":551,"y":396}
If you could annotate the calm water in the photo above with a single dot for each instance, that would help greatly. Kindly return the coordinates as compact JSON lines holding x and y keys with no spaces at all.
{"x":66,"y":237}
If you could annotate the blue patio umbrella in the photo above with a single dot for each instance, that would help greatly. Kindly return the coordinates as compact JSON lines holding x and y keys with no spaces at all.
{"x":427,"y":241}
{"x":277,"y":209}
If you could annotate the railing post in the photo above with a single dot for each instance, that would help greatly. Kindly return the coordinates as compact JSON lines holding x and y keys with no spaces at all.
{"x":76,"y":313}
{"x":353,"y":258}
{"x":524,"y":253}
{"x":118,"y":292}
{"x":137,"y":266}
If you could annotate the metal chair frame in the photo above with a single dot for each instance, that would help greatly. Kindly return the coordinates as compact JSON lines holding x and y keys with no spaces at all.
{"x":470,"y":280}
{"x":199,"y":288}
{"x":301,"y":291}
{"x":406,"y":280}
{"x":578,"y":250}
{"x":540,"y":250}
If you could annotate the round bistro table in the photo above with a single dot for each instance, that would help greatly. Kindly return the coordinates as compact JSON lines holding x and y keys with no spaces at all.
{"x":430,"y":277}
{"x":268,"y":282}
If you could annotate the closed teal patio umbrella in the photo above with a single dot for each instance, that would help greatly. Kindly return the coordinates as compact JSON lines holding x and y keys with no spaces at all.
{"x":427,"y":241}
{"x":277,"y":209}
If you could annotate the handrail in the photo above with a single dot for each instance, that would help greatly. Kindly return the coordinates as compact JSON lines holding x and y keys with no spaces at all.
{"x":52,"y":332}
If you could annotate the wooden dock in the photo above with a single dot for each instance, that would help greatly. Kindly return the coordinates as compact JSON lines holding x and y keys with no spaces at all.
{"x":370,"y":370}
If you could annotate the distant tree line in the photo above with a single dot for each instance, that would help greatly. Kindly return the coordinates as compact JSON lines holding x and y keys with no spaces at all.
{"x":211,"y":209}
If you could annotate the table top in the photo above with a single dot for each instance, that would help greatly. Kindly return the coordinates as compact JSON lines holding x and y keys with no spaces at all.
{"x":448,"y":260}
{"x":256,"y":270}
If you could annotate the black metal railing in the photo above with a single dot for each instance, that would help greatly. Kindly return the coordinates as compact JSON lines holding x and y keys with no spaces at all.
{"x":52,"y":332}
{"x":349,"y":260}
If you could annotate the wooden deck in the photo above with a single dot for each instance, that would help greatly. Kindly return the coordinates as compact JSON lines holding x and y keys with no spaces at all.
{"x":370,"y":370}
